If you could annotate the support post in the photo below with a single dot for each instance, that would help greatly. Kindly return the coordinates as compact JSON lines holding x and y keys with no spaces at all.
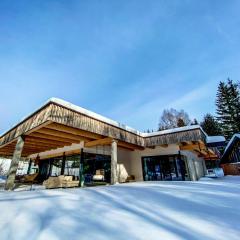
{"x":63,"y":164}
{"x":29,"y":166}
{"x":114,"y":162}
{"x":14,"y":163}
{"x":182,"y":164}
{"x":50,"y":168}
{"x":81,"y":178}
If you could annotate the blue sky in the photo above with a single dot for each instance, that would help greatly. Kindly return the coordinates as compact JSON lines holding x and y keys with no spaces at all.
{"x":127,"y":60}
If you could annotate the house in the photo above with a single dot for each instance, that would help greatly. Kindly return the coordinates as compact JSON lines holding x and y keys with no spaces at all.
{"x":62,"y":138}
{"x":216,"y":144}
{"x":230,"y":161}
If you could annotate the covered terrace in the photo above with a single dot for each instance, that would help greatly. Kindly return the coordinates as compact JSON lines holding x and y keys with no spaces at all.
{"x":59,"y":124}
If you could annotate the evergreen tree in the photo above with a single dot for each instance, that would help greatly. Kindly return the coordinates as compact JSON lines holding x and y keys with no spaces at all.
{"x":210,"y":125}
{"x":228,"y":107}
{"x":234,"y":92}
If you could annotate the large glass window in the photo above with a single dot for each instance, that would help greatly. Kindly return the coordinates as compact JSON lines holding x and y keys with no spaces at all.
{"x":168,"y":167}
{"x":56,"y":165}
{"x":72,"y":165}
{"x":93,"y":164}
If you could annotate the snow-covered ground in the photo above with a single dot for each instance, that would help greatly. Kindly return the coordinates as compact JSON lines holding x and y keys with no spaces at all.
{"x":208,"y":209}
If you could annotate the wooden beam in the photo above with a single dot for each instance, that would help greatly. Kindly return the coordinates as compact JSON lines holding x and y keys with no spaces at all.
{"x":211,"y":151}
{"x":75,"y":131}
{"x":192,"y":147}
{"x":129,"y":145}
{"x":38,"y":127}
{"x":62,"y":134}
{"x":32,"y":151}
{"x":29,"y":145}
{"x":42,"y":140}
{"x":6,"y":153}
{"x":7,"y":148}
{"x":13,"y":142}
{"x":108,"y":141}
{"x":199,"y":148}
{"x":39,"y":147}
{"x":99,"y":142}
{"x":184,"y":143}
{"x":67,"y":153}
{"x":39,"y":144}
{"x":126,"y":148}
{"x":201,"y":142}
{"x":211,"y":158}
{"x":200,"y":152}
{"x":51,"y":137}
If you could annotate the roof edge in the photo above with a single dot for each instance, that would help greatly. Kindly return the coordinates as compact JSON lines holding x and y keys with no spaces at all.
{"x":101,"y":118}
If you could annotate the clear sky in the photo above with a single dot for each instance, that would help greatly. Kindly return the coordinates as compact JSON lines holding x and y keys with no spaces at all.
{"x":127,"y":60}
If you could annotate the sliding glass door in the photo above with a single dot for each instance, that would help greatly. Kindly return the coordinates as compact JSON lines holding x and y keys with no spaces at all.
{"x":164,"y":168}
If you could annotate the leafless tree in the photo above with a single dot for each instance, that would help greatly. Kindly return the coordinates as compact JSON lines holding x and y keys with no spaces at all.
{"x":171,"y":118}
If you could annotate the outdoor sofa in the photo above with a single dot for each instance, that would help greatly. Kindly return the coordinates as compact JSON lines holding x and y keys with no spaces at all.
{"x":60,"y":182}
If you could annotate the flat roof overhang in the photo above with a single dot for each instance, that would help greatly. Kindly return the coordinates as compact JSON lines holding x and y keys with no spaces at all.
{"x":59,"y":124}
{"x":54,"y":126}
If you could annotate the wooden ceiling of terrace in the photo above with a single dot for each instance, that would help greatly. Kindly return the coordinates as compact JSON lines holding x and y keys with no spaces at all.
{"x":53,"y":135}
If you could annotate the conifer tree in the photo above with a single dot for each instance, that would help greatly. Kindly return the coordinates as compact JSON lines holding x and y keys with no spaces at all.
{"x":234,"y":92}
{"x":210,"y":125}
{"x":228,"y":107}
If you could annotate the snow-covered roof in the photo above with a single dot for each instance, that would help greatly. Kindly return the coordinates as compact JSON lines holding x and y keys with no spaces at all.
{"x":235,"y":136}
{"x":215,"y":139}
{"x":228,"y":148}
{"x":93,"y":114}
{"x":117,"y":124}
{"x":99,"y":117}
{"x":173,"y":130}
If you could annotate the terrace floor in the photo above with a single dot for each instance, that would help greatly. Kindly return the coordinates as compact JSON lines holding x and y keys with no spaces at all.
{"x":148,"y":210}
